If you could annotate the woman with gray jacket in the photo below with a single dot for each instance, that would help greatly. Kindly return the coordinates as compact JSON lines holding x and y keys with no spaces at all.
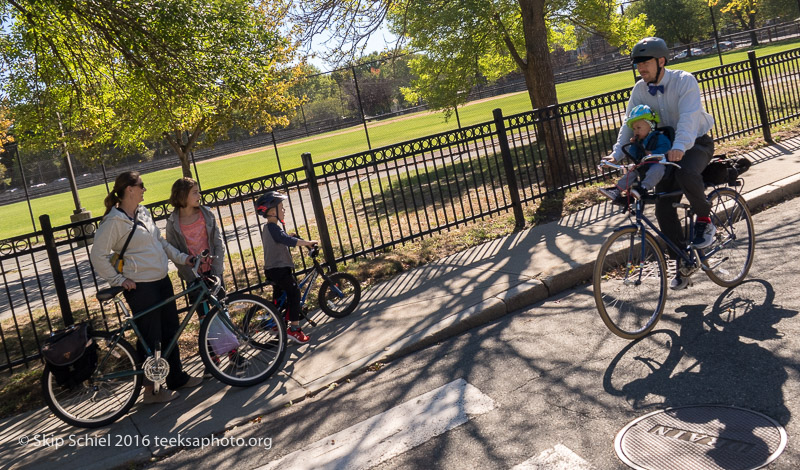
{"x":144,"y":273}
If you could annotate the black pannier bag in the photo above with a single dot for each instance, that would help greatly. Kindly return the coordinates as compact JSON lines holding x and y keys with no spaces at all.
{"x":71,"y":354}
{"x":724,"y":170}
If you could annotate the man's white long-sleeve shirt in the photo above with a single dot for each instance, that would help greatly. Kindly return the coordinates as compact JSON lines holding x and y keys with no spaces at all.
{"x":679,"y":106}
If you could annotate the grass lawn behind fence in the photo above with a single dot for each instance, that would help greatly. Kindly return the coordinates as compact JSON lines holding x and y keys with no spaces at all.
{"x":16,"y":217}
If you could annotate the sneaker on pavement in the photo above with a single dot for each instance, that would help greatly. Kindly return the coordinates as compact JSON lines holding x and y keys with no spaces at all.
{"x":162,"y":396}
{"x":703,"y":234}
{"x":297,"y":335}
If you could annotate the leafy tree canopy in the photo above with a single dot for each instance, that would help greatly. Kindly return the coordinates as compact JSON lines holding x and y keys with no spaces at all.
{"x":744,"y":11}
{"x":120,"y":73}
{"x":470,"y":41}
{"x":683,"y":21}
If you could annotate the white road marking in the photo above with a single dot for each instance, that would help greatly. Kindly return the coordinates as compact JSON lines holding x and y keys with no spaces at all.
{"x":558,"y":458}
{"x":389,"y":434}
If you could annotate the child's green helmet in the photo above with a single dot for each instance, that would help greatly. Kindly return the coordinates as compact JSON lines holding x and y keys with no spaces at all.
{"x":640,"y":112}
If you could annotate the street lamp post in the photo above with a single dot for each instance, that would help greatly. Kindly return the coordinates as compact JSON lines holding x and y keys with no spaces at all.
{"x":194,"y":163}
{"x":361,"y":107}
{"x":79,"y":213}
{"x":277,"y":156}
{"x":13,"y":149}
{"x":716,"y":35}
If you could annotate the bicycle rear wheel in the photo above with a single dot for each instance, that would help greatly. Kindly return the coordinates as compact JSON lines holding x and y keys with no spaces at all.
{"x":106,"y":396}
{"x":630,"y":283}
{"x":731,"y":254}
{"x":250,"y":355}
{"x":339,"y":295}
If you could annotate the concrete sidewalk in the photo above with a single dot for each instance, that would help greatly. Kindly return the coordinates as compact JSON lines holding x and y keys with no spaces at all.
{"x":408,"y":312}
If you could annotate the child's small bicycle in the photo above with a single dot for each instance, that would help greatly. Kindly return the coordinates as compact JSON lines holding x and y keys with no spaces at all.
{"x":338,"y":295}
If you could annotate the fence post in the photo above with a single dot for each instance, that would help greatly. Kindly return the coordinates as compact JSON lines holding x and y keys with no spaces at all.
{"x":55,"y":269}
{"x":319,"y":213}
{"x":508,"y":165}
{"x":762,"y":104}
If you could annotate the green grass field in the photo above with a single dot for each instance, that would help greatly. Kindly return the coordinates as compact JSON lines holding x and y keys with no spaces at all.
{"x":17,"y":220}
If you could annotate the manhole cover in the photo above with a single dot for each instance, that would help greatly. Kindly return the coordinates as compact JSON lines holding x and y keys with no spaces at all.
{"x":701,"y":437}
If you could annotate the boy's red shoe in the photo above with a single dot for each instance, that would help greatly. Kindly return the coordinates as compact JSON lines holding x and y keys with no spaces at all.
{"x":297,"y":336}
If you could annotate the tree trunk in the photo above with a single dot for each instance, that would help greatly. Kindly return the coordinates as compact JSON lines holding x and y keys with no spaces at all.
{"x":542,"y":92}
{"x":753,"y":36}
{"x":749,"y":25}
{"x":176,"y":142}
{"x":183,"y":150}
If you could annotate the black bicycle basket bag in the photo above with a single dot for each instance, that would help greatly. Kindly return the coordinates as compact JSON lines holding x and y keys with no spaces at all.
{"x":71,"y":354}
{"x":724,"y":170}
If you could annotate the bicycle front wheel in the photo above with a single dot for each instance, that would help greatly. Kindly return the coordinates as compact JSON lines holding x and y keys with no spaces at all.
{"x":630,"y":283}
{"x":339,"y":295}
{"x":252,"y":351}
{"x":731,"y":254}
{"x":106,"y":396}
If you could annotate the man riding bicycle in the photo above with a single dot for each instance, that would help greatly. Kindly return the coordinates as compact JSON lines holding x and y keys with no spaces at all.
{"x":675,"y":97}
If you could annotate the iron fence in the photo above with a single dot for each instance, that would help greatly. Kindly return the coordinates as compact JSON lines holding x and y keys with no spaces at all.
{"x":364,"y":204}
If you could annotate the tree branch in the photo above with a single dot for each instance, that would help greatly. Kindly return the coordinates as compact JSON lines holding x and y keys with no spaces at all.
{"x":521,"y":63}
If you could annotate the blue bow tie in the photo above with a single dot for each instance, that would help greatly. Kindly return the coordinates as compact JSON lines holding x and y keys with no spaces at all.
{"x":653,"y":89}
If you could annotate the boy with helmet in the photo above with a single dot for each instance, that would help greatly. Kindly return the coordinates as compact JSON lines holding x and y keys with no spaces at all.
{"x":278,"y":262}
{"x":675,"y":96}
{"x":646,"y":140}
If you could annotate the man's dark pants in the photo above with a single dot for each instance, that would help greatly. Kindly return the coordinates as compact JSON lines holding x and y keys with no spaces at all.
{"x":689,"y":179}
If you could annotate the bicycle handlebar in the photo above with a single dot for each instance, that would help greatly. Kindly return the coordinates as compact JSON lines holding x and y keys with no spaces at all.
{"x":658,"y":158}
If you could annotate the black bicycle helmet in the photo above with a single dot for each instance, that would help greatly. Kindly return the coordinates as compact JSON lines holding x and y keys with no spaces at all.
{"x":649,"y":48}
{"x":267,"y":201}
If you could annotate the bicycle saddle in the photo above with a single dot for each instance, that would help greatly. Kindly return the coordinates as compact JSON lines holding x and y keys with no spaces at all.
{"x":109,"y":293}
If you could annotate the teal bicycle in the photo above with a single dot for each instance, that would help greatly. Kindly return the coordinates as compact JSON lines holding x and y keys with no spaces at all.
{"x":234,"y":353}
{"x":630,"y":273}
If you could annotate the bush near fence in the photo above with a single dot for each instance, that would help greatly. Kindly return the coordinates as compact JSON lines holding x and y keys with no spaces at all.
{"x":365,"y":204}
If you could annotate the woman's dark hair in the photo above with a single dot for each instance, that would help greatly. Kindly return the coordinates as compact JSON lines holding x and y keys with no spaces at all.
{"x":128,"y":178}
{"x":180,"y":191}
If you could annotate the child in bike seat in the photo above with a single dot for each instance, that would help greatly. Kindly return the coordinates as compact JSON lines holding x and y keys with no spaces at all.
{"x":646,"y":140}
{"x":278,"y":262}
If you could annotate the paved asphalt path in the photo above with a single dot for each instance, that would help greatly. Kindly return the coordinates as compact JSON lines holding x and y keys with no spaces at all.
{"x":558,"y":379}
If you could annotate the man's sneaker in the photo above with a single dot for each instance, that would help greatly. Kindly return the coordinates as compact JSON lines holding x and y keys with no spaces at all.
{"x":615,"y":195}
{"x":297,"y":335}
{"x":703,"y":234}
{"x":680,"y":282}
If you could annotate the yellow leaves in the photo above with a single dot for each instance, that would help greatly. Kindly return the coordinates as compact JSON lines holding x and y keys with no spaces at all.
{"x":5,"y":126}
{"x":745,"y":7}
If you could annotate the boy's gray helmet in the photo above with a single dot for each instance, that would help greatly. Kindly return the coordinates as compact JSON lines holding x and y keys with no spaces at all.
{"x":267,"y":201}
{"x":649,"y":48}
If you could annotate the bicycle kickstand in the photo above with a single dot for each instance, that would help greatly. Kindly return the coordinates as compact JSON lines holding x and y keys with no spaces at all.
{"x":310,"y":321}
